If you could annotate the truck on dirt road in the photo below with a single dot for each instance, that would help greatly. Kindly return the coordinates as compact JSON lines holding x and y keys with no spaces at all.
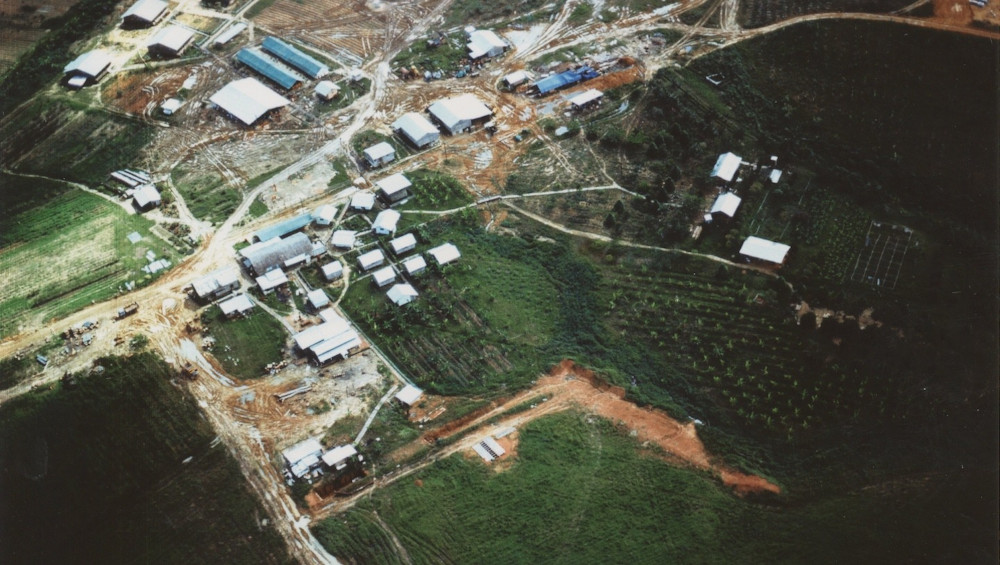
{"x":127,"y":311}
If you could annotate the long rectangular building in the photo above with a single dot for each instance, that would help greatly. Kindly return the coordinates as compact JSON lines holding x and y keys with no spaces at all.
{"x":294,"y":57}
{"x":263,"y":256}
{"x":270,"y":69}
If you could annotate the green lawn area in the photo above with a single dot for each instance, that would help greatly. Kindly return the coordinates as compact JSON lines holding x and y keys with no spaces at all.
{"x":68,"y":252}
{"x":95,"y":472}
{"x":581,"y":491}
{"x":205,"y":191}
{"x":245,"y":346}
{"x":433,"y":190}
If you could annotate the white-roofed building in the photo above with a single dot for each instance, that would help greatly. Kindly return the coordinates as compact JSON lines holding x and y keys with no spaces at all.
{"x":327,"y":90}
{"x":144,"y":13}
{"x":726,"y":166}
{"x":485,"y":43}
{"x":380,"y":154}
{"x":394,"y":188}
{"x":417,"y":129}
{"x":384,"y":276}
{"x":146,"y":197}
{"x":344,"y":239}
{"x":415,"y":265}
{"x":170,"y":106}
{"x":409,"y":395}
{"x":327,"y":341}
{"x":238,"y":305}
{"x":586,"y":99}
{"x":459,"y":114}
{"x":363,"y":201}
{"x":331,"y":315}
{"x":324,"y":215}
{"x":89,"y":67}
{"x":170,"y":41}
{"x":516,"y":79}
{"x":271,"y":280}
{"x":403,"y":243}
{"x":775,"y":176}
{"x":385,"y":222}
{"x":303,"y":457}
{"x":216,"y":284}
{"x":402,"y":294}
{"x":317,"y":299}
{"x":332,"y":271}
{"x":248,"y":100}
{"x":764,"y":250}
{"x":370,"y":260}
{"x":445,"y":253}
{"x":725,"y":205}
{"x":338,"y":457}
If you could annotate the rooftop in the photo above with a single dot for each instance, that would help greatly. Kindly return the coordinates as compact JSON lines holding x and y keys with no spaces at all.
{"x":451,"y":111}
{"x":284,"y":228}
{"x":445,"y":253}
{"x":270,"y":68}
{"x":146,"y":10}
{"x":394,"y":183}
{"x":294,"y":57}
{"x":403,"y":242}
{"x":248,"y":99}
{"x":401,"y":294}
{"x":764,"y":249}
{"x":91,"y":63}
{"x":726,"y":166}
{"x":172,"y":37}
{"x":237,"y":304}
{"x":410,"y":394}
{"x":386,"y":220}
{"x":726,"y":203}
{"x":379,"y":150}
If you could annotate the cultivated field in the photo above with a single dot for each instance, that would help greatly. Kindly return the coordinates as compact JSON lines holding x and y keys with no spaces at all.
{"x":69,"y":253}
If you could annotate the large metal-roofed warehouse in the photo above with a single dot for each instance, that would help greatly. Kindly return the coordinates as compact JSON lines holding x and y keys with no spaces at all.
{"x":270,"y":69}
{"x":261,"y":257}
{"x":417,"y":129}
{"x":294,"y":57}
{"x":460,"y":113}
{"x":248,"y":100}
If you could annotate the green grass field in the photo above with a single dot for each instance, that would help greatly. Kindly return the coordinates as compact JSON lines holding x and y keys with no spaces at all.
{"x":93,"y":471}
{"x":205,"y":191}
{"x":583,"y":491}
{"x":67,"y":253}
{"x":433,"y":190}
{"x":245,"y":346}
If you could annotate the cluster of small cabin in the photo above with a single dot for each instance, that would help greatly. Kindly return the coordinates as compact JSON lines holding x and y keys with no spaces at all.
{"x":309,"y":460}
{"x":726,"y":204}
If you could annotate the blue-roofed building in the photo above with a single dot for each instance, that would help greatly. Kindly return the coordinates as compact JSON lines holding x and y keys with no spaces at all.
{"x":564,"y":79}
{"x":268,"y":68}
{"x":294,"y":57}
{"x":283,"y":228}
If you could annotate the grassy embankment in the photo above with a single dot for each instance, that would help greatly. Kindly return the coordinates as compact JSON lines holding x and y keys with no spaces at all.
{"x":246,"y":345}
{"x":68,"y":252}
{"x":95,"y":471}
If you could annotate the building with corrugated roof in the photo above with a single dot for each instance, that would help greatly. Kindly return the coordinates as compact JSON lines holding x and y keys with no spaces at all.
{"x":281,"y":229}
{"x":170,"y":41}
{"x":394,"y":188}
{"x":417,"y":129}
{"x":144,"y":13}
{"x":269,"y":68}
{"x":295,"y":57}
{"x":461,"y":113}
{"x":248,"y":100}
{"x":379,"y":154}
{"x":263,"y":256}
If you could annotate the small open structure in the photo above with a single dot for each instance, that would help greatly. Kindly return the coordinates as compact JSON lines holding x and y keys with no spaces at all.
{"x":726,"y":166}
{"x":344,"y":239}
{"x":764,"y":250}
{"x":317,"y":299}
{"x":417,"y":129}
{"x":216,"y":284}
{"x":385,"y":222}
{"x":489,"y":449}
{"x":461,"y":113}
{"x":269,"y":68}
{"x":332,"y":271}
{"x":415,"y":265}
{"x":146,"y":197}
{"x":87,"y":69}
{"x":291,"y":55}
{"x":363,"y":201}
{"x":326,"y":90}
{"x":230,"y":34}
{"x":334,"y":338}
{"x":370,"y":260}
{"x":303,"y":457}
{"x":403,"y":243}
{"x":516,"y":79}
{"x":585,"y":100}
{"x":236,"y":306}
{"x":409,"y":395}
{"x":281,"y":229}
{"x":263,"y":256}
{"x":393,"y":188}
{"x":485,"y":43}
{"x":384,"y":276}
{"x":272,"y":280}
{"x":170,"y":41}
{"x":338,"y":457}
{"x":725,"y":206}
{"x":248,"y":100}
{"x":564,"y":79}
{"x":379,"y":154}
{"x":144,"y":13}
{"x":445,"y":253}
{"x":401,"y":295}
{"x":324,"y":215}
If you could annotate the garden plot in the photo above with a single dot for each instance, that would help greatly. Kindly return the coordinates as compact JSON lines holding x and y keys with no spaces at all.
{"x":881,"y":259}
